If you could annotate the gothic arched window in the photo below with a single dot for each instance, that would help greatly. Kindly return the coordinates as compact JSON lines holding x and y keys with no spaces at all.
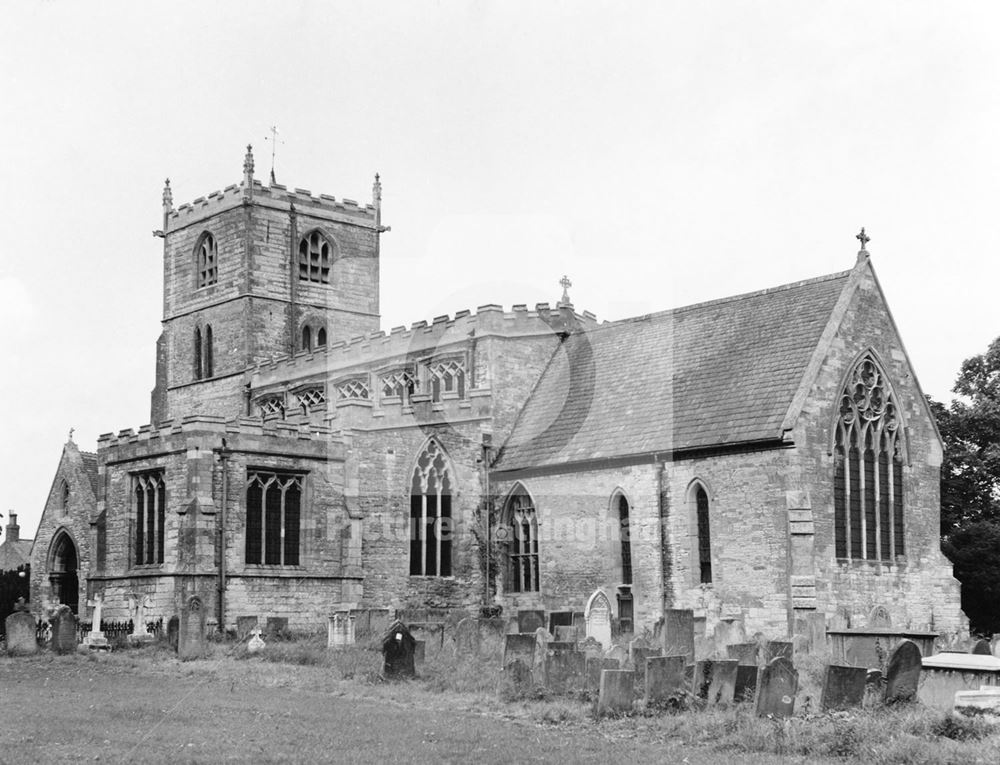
{"x":207,"y":261}
{"x":274,"y":518}
{"x":625,"y":537}
{"x":321,"y":337}
{"x":699,"y":498}
{"x":307,"y":338}
{"x":431,"y":528}
{"x":868,"y":472}
{"x":197,"y":354}
{"x":150,"y":517}
{"x":208,"y":365}
{"x":314,"y":258}
{"x":518,"y":536}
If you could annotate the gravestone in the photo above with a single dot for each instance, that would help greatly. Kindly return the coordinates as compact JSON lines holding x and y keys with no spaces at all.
{"x":666,"y":678}
{"x":276,"y":627}
{"x":565,"y":670}
{"x":173,"y":630}
{"x":515,"y":680}
{"x":191,"y":633}
{"x":722,"y":688}
{"x":878,"y":618}
{"x":903,"y":674}
{"x":618,"y":652}
{"x":21,"y":631}
{"x":95,"y":638}
{"x":63,"y":625}
{"x":745,"y":688}
{"x":566,"y":634}
{"x":874,"y":688}
{"x":245,"y":626}
{"x":843,"y":687}
{"x":432,"y":633}
{"x":745,"y":654}
{"x":138,"y":607}
{"x":466,"y":637}
{"x":640,"y":657}
{"x":419,"y":652}
{"x":728,"y":632}
{"x":678,"y":633}
{"x":982,"y":648}
{"x":598,"y":616}
{"x":520,"y":647}
{"x":591,"y":648}
{"x":256,"y":643}
{"x":594,"y":666}
{"x":776,"y":689}
{"x":530,"y":620}
{"x":340,"y":630}
{"x":398,"y":648}
{"x":617,"y":691}
{"x":775,"y":648}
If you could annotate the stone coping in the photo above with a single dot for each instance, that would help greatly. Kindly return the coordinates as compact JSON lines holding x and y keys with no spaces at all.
{"x":863,"y":631}
{"x":968,"y":662}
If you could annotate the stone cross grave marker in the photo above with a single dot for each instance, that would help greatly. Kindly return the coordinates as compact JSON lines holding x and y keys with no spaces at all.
{"x":982,"y":648}
{"x":398,"y":649}
{"x":96,"y":639}
{"x":903,"y":675}
{"x":138,"y":605}
{"x":843,"y":687}
{"x":598,"y":615}
{"x":530,"y":620}
{"x":191,"y":632}
{"x":617,"y":691}
{"x":678,"y":633}
{"x":63,"y":625}
{"x":777,"y":686}
{"x":666,"y":678}
{"x":340,"y":630}
{"x":21,"y":631}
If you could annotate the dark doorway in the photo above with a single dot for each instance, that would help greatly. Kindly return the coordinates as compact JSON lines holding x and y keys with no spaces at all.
{"x":63,"y":572}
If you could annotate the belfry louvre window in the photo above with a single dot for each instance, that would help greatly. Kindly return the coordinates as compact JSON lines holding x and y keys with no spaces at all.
{"x":314,"y":258}
{"x":868,"y":472}
{"x":519,"y":536}
{"x":207,"y":256}
{"x":431,"y":527}
{"x":274,"y":515}
{"x":150,"y":517}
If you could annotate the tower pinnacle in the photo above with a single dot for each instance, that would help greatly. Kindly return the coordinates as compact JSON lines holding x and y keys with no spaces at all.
{"x":248,"y":166}
{"x":168,"y":198}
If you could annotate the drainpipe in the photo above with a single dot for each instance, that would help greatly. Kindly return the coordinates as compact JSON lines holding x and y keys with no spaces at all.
{"x":487,"y":502}
{"x":223,"y":453}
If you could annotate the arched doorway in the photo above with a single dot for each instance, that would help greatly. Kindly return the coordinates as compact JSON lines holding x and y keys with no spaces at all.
{"x":63,"y":572}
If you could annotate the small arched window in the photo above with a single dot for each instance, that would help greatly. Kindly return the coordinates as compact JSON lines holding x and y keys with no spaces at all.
{"x":321,"y":337}
{"x":209,"y":364}
{"x":307,"y":338}
{"x":701,"y":507}
{"x":518,"y":536}
{"x":197,"y":354}
{"x":314,"y":258}
{"x":206,"y":255}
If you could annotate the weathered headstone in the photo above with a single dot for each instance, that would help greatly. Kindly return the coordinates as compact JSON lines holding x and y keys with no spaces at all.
{"x":843,"y":687}
{"x":63,"y":625}
{"x":678,"y":633}
{"x":256,"y":643}
{"x":744,"y":653}
{"x":665,"y":678}
{"x":777,"y":686}
{"x":21,"y":631}
{"x":617,"y":691}
{"x":565,"y":670}
{"x":245,"y":626}
{"x":566,"y":634}
{"x":903,"y":674}
{"x":982,"y":648}
{"x":591,"y":648}
{"x":173,"y":630}
{"x":746,"y":682}
{"x":340,"y":630}
{"x":878,"y":618}
{"x":722,"y":688}
{"x":594,"y":666}
{"x":276,"y":627}
{"x":520,"y":647}
{"x":398,"y":648}
{"x":466,"y":637}
{"x":432,"y":633}
{"x":530,"y":620}
{"x":874,"y":688}
{"x":515,"y":680}
{"x":640,"y":656}
{"x":775,"y":648}
{"x":598,"y":615}
{"x":191,"y":634}
{"x":618,"y":652}
{"x":728,"y":632}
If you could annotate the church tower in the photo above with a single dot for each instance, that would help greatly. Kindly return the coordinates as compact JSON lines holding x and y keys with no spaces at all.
{"x":254,"y":272}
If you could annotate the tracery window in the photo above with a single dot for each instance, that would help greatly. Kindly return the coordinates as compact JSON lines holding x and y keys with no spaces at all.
{"x":274,"y":516}
{"x":207,"y":257}
{"x":518,"y":536}
{"x":311,"y":399}
{"x":150,"y":516}
{"x":868,"y":467}
{"x":314,"y":258}
{"x":704,"y":535}
{"x":356,"y":388}
{"x":446,"y":376}
{"x":272,"y":405}
{"x":431,"y":527}
{"x":398,"y":384}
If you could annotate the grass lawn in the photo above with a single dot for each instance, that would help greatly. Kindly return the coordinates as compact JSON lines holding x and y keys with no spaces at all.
{"x":302,"y":705}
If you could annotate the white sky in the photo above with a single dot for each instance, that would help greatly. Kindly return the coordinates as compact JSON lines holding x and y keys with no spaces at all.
{"x":658,"y":153}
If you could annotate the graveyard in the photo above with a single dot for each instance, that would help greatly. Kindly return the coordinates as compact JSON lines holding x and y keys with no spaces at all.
{"x":534,"y":686}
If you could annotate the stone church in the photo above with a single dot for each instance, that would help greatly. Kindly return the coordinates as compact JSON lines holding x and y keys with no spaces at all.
{"x":765,"y":456}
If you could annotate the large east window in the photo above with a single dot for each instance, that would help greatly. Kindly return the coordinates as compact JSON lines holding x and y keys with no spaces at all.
{"x":274,"y":516}
{"x":868,"y":472}
{"x":431,"y":528}
{"x":150,"y":499}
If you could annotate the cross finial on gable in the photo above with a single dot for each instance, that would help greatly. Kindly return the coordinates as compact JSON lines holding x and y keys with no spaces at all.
{"x":864,"y":239}
{"x":71,"y":433}
{"x":565,"y":283}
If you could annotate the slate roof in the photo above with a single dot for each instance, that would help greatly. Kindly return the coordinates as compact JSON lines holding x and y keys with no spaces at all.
{"x":707,"y":375}
{"x":90,"y":469}
{"x":14,"y":554}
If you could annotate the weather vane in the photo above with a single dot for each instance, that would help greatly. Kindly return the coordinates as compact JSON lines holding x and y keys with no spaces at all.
{"x":274,"y":147}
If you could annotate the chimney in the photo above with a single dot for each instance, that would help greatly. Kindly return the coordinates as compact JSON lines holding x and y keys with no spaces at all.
{"x":13,"y":530}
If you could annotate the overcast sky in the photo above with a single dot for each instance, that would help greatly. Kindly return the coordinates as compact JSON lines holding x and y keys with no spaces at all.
{"x":658,"y":153}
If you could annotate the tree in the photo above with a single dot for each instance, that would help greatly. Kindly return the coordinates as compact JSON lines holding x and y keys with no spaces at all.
{"x":974,"y":551}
